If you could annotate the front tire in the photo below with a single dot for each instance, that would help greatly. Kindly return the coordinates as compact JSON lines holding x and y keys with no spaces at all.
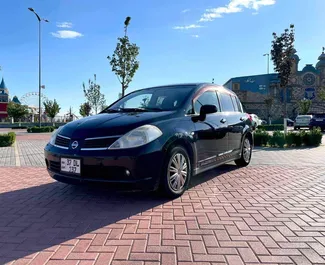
{"x":246,"y":153}
{"x":177,"y":172}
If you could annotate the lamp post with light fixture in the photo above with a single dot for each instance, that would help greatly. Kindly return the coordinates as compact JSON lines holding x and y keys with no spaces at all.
{"x":39,"y":60}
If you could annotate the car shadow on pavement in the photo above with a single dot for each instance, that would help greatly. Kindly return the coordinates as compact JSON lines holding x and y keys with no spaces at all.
{"x":39,"y":218}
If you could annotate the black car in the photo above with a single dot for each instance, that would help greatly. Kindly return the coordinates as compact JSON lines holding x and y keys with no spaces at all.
{"x":317,"y":121}
{"x":154,"y":138}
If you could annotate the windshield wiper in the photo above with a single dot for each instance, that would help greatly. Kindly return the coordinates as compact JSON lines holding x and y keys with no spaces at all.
{"x":133,"y":109}
{"x":110,"y":111}
{"x":155,"y":109}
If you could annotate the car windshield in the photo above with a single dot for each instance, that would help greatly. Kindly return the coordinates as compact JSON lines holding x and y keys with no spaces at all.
{"x":153,"y":99}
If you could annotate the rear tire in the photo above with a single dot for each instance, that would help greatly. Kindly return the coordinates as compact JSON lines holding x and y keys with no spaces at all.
{"x":177,"y":172}
{"x":246,"y":153}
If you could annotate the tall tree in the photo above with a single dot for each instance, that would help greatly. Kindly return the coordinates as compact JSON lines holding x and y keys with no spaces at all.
{"x":304,"y":106}
{"x":322,"y":94}
{"x":269,"y":103}
{"x":85,"y":109}
{"x":93,"y":95}
{"x":281,"y":53}
{"x":124,"y":61}
{"x":16,"y":111}
{"x":52,"y":108}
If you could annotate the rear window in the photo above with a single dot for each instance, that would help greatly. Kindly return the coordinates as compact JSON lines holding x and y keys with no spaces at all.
{"x":319,"y":116}
{"x":303,"y":117}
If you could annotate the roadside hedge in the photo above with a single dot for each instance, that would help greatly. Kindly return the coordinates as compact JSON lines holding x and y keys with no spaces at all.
{"x":297,"y":139}
{"x":40,"y":129}
{"x":7,"y":139}
{"x":272,"y":127}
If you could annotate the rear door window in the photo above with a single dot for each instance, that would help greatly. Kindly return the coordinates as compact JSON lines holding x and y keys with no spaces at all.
{"x":226,"y":102}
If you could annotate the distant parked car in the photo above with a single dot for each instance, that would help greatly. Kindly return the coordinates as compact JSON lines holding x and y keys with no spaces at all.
{"x":290,"y":122}
{"x":302,"y":121}
{"x":256,"y":121}
{"x":317,"y":120}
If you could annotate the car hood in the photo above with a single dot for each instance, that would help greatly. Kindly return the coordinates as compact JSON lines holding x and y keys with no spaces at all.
{"x":109,"y":124}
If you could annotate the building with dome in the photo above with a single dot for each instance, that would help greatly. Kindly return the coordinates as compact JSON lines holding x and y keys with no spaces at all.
{"x":305,"y":84}
{"x":4,"y":100}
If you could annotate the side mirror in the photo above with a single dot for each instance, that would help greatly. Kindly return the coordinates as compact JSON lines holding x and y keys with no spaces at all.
{"x":207,"y":109}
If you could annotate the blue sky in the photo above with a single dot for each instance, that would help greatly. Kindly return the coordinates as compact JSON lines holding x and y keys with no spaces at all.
{"x":180,"y":41}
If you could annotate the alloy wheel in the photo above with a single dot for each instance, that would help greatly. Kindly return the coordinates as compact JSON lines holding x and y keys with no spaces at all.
{"x":247,"y":150}
{"x":177,"y":172}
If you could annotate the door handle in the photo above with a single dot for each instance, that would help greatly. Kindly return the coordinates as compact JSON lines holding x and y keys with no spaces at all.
{"x":223,"y":120}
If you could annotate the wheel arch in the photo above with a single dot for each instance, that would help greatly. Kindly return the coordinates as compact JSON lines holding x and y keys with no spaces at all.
{"x":186,"y":144}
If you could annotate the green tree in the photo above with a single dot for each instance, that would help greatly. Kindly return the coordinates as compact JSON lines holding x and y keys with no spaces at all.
{"x":269,"y":103}
{"x":93,"y":95}
{"x":52,"y":108}
{"x":85,"y":109}
{"x":304,"y":106}
{"x":124,"y":61}
{"x":17,"y":111}
{"x":322,"y":94}
{"x":281,"y":54}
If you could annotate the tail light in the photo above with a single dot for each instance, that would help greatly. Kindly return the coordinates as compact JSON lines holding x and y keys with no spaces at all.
{"x":249,"y":117}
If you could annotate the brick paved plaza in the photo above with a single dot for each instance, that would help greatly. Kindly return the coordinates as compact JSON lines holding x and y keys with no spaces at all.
{"x":272,"y":212}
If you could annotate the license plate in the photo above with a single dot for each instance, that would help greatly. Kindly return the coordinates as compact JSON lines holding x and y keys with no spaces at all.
{"x":319,"y":119}
{"x":70,"y":165}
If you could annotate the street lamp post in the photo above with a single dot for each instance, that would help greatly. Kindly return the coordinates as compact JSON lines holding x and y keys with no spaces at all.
{"x":39,"y":61}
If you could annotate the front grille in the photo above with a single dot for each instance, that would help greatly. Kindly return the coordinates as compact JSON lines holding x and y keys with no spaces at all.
{"x":99,"y":143}
{"x":62,"y":141}
{"x":55,"y":166}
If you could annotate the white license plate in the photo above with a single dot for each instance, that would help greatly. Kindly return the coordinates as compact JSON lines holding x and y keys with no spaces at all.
{"x":70,"y":165}
{"x":319,"y":119}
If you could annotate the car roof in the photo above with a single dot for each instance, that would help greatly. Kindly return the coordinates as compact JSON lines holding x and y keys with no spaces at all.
{"x":198,"y":86}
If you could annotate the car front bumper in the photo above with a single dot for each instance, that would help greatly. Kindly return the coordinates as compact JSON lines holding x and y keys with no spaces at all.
{"x":137,"y":168}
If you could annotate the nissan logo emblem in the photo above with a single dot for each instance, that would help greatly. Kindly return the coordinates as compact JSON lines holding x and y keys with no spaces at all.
{"x":74,"y":145}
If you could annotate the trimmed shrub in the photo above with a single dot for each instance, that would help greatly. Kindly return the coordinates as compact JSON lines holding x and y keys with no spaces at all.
{"x":290,"y":139}
{"x":298,"y":138}
{"x":7,"y":139}
{"x":40,"y":129}
{"x":277,"y":139}
{"x":273,"y":127}
{"x":261,"y":138}
{"x":313,"y":137}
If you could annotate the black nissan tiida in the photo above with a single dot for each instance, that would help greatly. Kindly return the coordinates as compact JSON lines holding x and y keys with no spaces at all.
{"x":154,"y":138}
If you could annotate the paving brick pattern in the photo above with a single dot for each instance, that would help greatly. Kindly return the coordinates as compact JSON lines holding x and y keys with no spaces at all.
{"x":31,"y":152}
{"x":7,"y":156}
{"x":289,"y":156}
{"x":255,"y":215}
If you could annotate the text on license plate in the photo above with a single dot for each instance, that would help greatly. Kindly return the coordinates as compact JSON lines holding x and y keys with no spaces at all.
{"x":70,"y":165}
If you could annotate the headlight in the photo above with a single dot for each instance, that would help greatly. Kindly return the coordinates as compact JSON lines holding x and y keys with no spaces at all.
{"x":137,"y":137}
{"x":54,"y":134}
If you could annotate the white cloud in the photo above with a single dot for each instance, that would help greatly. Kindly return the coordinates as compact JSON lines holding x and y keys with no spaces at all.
{"x":64,"y":25}
{"x":193,"y":26}
{"x":66,"y":34}
{"x":195,"y":36}
{"x":186,"y":10}
{"x":234,"y":6}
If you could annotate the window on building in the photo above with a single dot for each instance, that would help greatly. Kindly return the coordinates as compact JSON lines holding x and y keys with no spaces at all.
{"x":226,"y":102}
{"x":207,"y":98}
{"x":236,"y":86}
